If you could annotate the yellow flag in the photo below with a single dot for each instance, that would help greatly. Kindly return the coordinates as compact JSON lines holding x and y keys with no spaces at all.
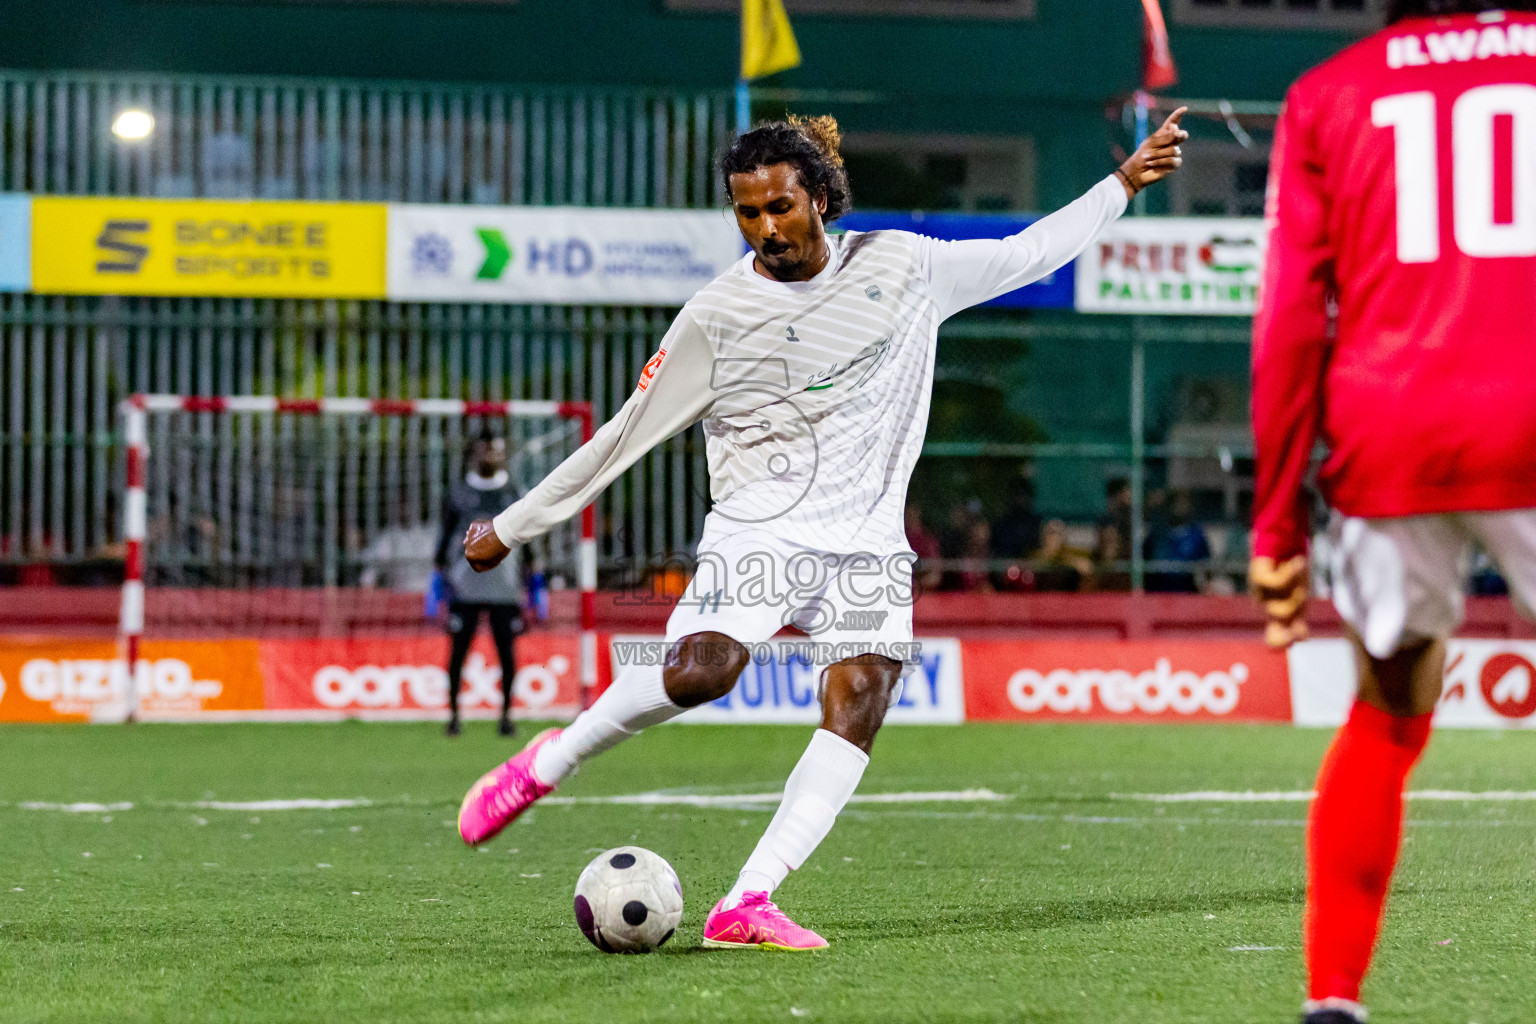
{"x":767,"y":42}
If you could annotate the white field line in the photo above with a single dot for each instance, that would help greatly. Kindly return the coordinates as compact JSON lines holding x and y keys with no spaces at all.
{"x":1249,"y":796}
{"x":199,"y":805}
{"x":877,"y":807}
{"x":276,"y":805}
{"x":655,"y":799}
{"x":754,"y":799}
{"x":872,"y":814}
{"x":770,"y":800}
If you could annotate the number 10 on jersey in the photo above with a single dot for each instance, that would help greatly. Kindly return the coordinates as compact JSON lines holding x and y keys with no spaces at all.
{"x":1481,"y":229}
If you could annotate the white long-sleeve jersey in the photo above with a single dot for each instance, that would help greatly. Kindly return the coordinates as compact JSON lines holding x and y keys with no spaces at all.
{"x":814,"y":395}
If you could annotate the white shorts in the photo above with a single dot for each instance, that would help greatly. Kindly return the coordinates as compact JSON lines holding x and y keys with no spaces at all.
{"x":750,"y":584}
{"x":1397,"y":581}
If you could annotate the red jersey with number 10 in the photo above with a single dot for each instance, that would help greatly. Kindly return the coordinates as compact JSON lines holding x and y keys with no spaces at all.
{"x":1403,"y":188}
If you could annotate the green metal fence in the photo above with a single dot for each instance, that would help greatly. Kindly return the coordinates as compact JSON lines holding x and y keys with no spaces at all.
{"x":1075,"y":402}
{"x":395,"y":141}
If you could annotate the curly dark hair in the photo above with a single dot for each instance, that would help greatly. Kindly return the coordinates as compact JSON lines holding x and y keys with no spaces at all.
{"x":810,"y":144}
{"x":1397,"y":10}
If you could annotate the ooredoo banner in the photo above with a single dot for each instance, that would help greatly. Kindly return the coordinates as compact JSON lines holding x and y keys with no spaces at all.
{"x":406,"y":677}
{"x":779,"y":685}
{"x":1489,"y":684}
{"x":559,"y":254}
{"x":1146,"y":681}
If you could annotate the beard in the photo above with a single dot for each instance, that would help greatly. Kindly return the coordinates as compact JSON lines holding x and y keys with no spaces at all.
{"x":786,"y":264}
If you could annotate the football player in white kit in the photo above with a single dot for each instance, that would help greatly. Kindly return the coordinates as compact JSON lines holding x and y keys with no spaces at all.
{"x":810,"y":363}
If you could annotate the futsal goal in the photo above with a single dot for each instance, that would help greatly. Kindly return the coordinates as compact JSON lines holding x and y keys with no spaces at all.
{"x":283,"y":548}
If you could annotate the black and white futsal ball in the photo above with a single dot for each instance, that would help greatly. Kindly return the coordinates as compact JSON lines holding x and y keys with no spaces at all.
{"x":628,"y":900}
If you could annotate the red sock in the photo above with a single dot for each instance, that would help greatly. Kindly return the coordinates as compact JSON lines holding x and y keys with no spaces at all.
{"x":1352,"y":840}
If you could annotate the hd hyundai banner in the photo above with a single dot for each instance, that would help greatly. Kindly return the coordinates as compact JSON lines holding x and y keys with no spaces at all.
{"x":562,"y":254}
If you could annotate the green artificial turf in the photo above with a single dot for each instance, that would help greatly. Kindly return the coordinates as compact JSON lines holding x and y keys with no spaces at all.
{"x":1065,"y":902}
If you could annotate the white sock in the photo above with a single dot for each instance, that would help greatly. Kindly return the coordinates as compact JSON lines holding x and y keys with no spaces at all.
{"x":828,"y":773}
{"x":636,"y":700}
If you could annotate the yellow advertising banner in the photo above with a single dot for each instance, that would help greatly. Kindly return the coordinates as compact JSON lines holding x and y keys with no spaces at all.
{"x":110,"y":246}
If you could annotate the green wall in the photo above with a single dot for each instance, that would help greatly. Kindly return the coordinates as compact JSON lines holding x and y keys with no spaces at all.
{"x":1074,"y":51}
{"x":1051,"y":78}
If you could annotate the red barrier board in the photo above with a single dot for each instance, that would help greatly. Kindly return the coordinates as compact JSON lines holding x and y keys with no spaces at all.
{"x":404,"y":676}
{"x":1148,"y":681}
{"x":407,"y":675}
{"x":65,"y":680}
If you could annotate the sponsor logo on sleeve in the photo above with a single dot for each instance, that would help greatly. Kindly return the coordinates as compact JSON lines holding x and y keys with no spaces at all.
{"x":649,"y":373}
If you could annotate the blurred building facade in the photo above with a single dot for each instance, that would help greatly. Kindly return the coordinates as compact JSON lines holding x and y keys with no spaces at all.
{"x":988,"y":101}
{"x":975,"y":105}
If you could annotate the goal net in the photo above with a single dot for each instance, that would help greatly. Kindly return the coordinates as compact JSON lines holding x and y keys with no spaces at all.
{"x":280,"y":557}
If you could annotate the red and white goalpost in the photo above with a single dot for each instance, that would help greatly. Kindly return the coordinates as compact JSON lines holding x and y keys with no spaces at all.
{"x":256,"y":517}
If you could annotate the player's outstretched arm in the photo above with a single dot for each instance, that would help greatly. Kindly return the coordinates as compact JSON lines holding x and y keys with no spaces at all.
{"x":1290,"y":344}
{"x":964,"y":274}
{"x":673,"y":394}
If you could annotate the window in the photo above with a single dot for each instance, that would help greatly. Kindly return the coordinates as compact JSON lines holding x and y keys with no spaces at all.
{"x":976,"y":174}
{"x":1220,"y":180}
{"x":1329,"y":15}
{"x":994,"y":9}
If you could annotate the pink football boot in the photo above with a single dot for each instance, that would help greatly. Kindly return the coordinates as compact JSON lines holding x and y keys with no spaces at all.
{"x":503,"y":793}
{"x":755,"y":923}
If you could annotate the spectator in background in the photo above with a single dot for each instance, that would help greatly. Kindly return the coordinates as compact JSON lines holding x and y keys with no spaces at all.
{"x":926,"y":546}
{"x":1110,"y":571}
{"x":1117,"y":513}
{"x":1016,"y":532}
{"x":1155,"y":523}
{"x":399,"y":558}
{"x":1016,"y":535}
{"x":976,"y":550}
{"x":1183,"y":541}
{"x":955,"y":540}
{"x":1486,"y":580}
{"x":1058,"y":567}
